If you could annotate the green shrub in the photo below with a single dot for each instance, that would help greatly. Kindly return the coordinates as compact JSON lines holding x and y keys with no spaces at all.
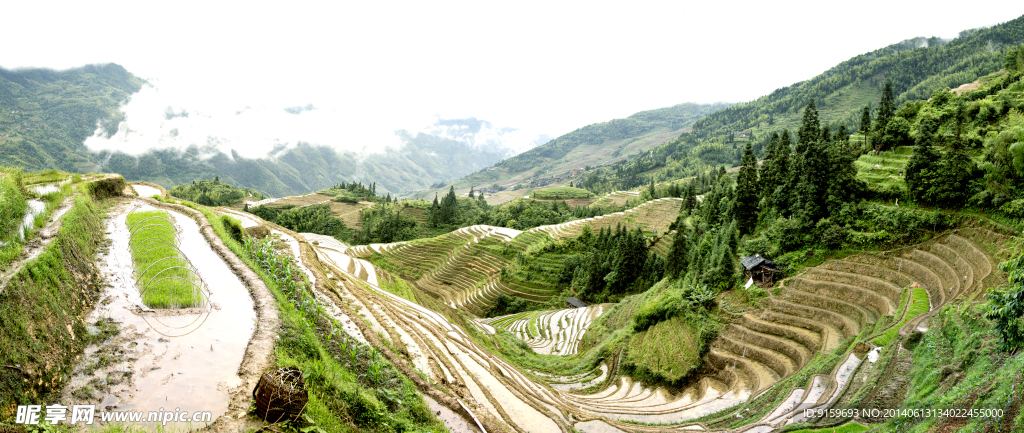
{"x":831,"y":235}
{"x":12,"y":208}
{"x":343,"y":198}
{"x":788,"y":235}
{"x":562,"y":193}
{"x":1006,"y":306}
{"x":1014,"y":208}
{"x":233,"y":227}
{"x":106,"y":187}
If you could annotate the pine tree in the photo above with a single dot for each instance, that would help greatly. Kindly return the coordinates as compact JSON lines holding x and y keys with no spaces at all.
{"x":245,"y":208}
{"x":921,"y":170}
{"x":844,"y":186}
{"x":787,"y":176}
{"x":813,"y":168}
{"x":471,"y":193}
{"x":745,"y":208}
{"x":449,"y":208}
{"x":810,"y":128}
{"x":434,"y":214}
{"x":841,"y":135}
{"x":766,"y":171}
{"x":677,"y":260}
{"x":886,"y":109}
{"x":865,"y":121}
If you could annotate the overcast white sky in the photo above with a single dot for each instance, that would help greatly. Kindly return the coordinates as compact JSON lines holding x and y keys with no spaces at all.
{"x":371,"y":67}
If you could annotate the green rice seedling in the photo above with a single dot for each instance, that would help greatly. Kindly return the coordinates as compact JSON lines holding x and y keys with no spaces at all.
{"x":164,"y":277}
{"x":919,"y":304}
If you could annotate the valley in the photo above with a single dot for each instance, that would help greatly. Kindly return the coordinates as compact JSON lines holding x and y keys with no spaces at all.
{"x":844,"y":254}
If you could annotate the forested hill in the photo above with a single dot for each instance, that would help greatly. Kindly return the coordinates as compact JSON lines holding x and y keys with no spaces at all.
{"x":46,"y":115}
{"x":916,"y":68}
{"x":670,"y":118}
{"x":595,"y":145}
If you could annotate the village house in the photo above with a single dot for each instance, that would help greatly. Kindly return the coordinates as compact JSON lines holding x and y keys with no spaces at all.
{"x":759,"y":269}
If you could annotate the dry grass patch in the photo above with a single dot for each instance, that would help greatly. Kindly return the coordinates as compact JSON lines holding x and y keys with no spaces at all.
{"x":668,"y":349}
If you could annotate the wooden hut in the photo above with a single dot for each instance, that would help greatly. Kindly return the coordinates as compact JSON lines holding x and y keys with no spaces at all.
{"x":760,"y":269}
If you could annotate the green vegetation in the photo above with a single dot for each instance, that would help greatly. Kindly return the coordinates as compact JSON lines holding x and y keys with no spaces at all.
{"x":353,"y":192}
{"x":46,"y":115}
{"x":670,"y":350}
{"x":15,"y":229}
{"x":53,"y":293}
{"x":845,"y":428}
{"x":306,"y":219}
{"x":1006,"y":306}
{"x":957,"y":365}
{"x":843,"y":93}
{"x":164,"y":276}
{"x":12,"y":206}
{"x":918,"y":304}
{"x":350,"y":384}
{"x":213,"y":192}
{"x":670,"y":118}
{"x":561,"y":193}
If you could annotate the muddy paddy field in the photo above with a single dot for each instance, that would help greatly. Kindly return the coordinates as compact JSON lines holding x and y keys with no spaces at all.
{"x":159,"y":358}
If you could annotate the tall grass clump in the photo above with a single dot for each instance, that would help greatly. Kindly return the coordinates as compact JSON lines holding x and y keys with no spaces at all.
{"x":12,"y":209}
{"x":165,"y":278}
{"x":42,"y":327}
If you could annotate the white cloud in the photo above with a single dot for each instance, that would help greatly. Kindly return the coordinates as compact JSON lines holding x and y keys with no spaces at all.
{"x":371,"y":68}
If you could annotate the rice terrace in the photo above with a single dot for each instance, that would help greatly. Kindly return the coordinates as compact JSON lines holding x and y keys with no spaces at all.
{"x":841,"y":255}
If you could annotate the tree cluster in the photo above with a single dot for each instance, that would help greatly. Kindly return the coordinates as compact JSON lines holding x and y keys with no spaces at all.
{"x":611,"y":264}
{"x":312,"y":219}
{"x":213,"y":192}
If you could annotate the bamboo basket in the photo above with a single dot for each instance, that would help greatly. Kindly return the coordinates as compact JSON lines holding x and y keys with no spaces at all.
{"x":280,"y":395}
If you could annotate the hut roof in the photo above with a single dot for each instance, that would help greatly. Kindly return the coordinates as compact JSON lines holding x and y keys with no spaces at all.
{"x":576,"y":302}
{"x":751,"y":262}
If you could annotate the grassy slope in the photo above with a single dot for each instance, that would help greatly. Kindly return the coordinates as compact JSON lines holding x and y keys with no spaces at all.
{"x":44,"y":314}
{"x":668,"y":349}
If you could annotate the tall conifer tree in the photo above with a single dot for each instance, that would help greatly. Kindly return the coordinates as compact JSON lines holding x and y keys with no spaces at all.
{"x":746,"y":192}
{"x":886,"y":109}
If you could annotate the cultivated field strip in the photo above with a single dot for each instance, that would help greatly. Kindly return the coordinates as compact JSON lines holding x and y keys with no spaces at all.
{"x":813,"y":311}
{"x":555,"y":332}
{"x":653,"y":216}
{"x":810,"y":314}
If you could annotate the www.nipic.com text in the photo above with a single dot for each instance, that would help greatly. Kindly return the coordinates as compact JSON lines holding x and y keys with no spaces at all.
{"x":86,"y":413}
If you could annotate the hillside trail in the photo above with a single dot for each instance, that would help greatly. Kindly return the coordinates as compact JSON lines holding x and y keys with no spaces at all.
{"x":142,"y":367}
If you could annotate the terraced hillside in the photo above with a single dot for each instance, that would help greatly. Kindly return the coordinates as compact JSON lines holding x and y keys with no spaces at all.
{"x":654,"y":216}
{"x":884,"y":172}
{"x":463,"y":268}
{"x":555,"y":332}
{"x":795,"y":352}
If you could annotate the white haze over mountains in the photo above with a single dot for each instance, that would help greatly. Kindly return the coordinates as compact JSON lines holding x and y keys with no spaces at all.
{"x":161,"y":117}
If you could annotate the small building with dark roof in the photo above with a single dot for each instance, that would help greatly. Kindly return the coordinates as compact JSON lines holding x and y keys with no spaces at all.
{"x":761,"y":269}
{"x":575,"y":303}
